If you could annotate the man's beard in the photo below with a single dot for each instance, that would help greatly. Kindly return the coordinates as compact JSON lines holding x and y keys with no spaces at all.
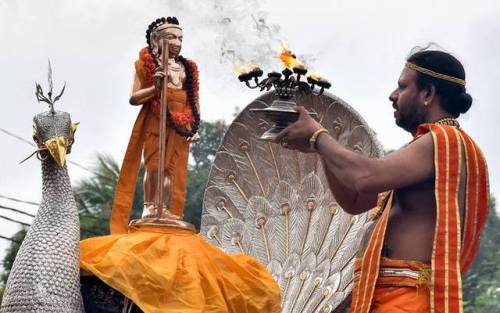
{"x":411,"y":116}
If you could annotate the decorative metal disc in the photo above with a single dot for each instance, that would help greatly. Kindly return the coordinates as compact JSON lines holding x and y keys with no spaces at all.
{"x":275,"y":204}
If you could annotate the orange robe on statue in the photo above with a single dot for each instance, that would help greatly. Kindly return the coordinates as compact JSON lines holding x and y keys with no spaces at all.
{"x":177,"y":152}
{"x":168,"y":269}
{"x":144,"y":140}
{"x":454,"y":248}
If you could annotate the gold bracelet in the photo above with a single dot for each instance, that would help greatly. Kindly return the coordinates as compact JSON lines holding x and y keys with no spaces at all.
{"x":314,"y":137}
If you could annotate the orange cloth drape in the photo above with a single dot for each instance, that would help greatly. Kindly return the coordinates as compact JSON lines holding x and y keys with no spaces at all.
{"x":171,"y":270}
{"x":144,"y":138}
{"x":454,"y":249}
{"x":177,"y":152}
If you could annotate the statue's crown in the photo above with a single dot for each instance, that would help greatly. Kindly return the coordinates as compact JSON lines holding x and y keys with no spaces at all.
{"x":161,"y":23}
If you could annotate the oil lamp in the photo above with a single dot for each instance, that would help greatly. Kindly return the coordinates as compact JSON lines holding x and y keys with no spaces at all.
{"x":287,"y":85}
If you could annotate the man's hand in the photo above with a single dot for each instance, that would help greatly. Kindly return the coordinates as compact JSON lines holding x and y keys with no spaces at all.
{"x":297,"y":135}
{"x":193,"y":138}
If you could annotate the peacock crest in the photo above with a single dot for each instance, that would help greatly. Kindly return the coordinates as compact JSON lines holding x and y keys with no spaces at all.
{"x":53,"y":131}
{"x":40,"y":96}
{"x":275,"y":204}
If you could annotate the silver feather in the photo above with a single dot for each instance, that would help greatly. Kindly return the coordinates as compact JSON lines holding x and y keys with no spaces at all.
{"x":232,"y":235}
{"x":219,"y":205}
{"x":278,"y":205}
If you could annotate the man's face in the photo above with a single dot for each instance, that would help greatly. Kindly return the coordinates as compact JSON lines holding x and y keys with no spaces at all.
{"x":407,"y":100}
{"x":173,"y":35}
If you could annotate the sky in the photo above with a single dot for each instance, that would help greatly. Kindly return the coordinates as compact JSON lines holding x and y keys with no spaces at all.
{"x":360,"y":46}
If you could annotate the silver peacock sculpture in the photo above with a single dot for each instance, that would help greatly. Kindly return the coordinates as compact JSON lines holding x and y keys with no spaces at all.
{"x":45,"y":276}
{"x":275,"y":204}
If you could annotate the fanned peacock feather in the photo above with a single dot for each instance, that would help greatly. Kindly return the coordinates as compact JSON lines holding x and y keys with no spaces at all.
{"x":275,"y":204}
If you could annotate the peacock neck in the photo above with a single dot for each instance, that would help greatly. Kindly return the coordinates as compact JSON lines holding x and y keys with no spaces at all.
{"x":55,"y":180}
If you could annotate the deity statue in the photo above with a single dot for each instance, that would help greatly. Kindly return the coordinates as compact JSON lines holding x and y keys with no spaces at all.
{"x":180,"y":99}
{"x":154,"y":264}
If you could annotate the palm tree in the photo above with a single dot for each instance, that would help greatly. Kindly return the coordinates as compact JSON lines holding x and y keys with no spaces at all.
{"x":94,"y":196}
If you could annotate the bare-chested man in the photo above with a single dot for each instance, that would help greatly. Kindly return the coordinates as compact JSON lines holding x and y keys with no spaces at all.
{"x":429,"y":223}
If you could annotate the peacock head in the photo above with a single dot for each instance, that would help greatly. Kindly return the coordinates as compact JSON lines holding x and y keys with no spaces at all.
{"x":54,"y":132}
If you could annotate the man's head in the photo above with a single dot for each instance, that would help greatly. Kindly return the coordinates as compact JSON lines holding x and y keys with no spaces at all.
{"x":431,"y":85}
{"x":165,"y":29}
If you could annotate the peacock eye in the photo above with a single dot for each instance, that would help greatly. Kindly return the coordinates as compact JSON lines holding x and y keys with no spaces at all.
{"x":35,"y":132}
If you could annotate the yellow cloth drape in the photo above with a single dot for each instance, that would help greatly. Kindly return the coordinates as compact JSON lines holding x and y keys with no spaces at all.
{"x":171,"y":270}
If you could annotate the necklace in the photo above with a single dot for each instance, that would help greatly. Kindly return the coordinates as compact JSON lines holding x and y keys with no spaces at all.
{"x":191,"y":87}
{"x":175,"y":74}
{"x":448,"y":121}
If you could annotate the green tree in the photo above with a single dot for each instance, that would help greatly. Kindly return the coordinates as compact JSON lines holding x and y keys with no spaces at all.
{"x":94,"y":196}
{"x":11,"y":253}
{"x":203,"y":154}
{"x":481,"y":286}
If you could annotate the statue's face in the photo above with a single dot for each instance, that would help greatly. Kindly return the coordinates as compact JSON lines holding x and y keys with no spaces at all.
{"x":172,"y":35}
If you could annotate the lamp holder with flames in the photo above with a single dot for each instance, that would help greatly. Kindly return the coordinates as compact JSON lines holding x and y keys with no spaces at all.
{"x":287,"y":84}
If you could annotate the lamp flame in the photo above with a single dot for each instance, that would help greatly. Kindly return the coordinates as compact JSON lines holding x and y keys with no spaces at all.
{"x":314,"y":76}
{"x":244,"y":68}
{"x":288,"y":59}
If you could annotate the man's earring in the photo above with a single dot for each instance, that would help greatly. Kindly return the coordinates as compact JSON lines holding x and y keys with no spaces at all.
{"x":426,"y":103}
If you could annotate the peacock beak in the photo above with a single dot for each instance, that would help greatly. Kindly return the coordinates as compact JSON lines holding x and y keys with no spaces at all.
{"x":57,"y":147}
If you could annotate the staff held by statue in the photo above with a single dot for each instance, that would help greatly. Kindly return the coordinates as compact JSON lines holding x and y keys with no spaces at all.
{"x":160,"y":200}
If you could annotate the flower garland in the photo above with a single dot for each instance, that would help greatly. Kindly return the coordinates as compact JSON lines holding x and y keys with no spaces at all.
{"x":179,"y":121}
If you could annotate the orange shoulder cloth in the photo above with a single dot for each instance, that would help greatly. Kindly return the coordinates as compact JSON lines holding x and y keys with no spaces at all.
{"x":454,"y":248}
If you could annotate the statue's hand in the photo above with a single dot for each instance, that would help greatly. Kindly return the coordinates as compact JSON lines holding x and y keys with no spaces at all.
{"x":194,"y":138}
{"x":159,"y":76}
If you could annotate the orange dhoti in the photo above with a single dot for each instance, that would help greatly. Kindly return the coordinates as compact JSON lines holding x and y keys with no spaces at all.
{"x":401,"y":287}
{"x":145,"y":141}
{"x":177,"y":150}
{"x":173,"y":270}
